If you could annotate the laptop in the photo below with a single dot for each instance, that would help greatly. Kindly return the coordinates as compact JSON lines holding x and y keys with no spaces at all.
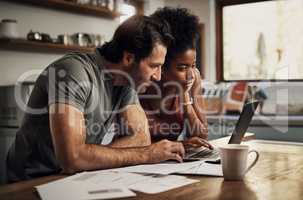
{"x":236,"y":137}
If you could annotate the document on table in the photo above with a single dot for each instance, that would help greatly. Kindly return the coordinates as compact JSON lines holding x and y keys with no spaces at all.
{"x":69,"y":188}
{"x":161,"y":184}
{"x":204,"y":169}
{"x":146,"y":183}
{"x":117,"y":183}
{"x":109,"y":184}
{"x":195,"y":168}
{"x":120,"y":178}
{"x":161,"y":168}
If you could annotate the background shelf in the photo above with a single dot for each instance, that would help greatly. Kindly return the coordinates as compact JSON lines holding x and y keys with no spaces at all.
{"x":31,"y":46}
{"x":70,"y":6}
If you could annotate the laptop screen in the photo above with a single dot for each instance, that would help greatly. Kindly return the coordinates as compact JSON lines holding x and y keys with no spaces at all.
{"x":243,"y":122}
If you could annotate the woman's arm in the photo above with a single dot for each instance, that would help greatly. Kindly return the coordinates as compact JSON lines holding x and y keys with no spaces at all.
{"x":194,"y":113}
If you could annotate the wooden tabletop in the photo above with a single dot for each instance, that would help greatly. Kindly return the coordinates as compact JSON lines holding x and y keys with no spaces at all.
{"x":277,"y":175}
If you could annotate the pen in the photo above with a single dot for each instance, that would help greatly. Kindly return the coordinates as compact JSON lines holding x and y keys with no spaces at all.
{"x":113,"y":190}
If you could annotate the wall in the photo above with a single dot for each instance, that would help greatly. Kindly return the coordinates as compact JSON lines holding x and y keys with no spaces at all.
{"x":15,"y":63}
{"x":152,"y":5}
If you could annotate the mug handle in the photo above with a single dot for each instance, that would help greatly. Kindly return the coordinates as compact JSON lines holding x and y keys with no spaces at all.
{"x":254,"y":162}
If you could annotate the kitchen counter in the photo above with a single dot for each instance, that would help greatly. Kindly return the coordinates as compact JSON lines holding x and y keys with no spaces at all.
{"x":261,"y":119}
{"x":268,"y":127}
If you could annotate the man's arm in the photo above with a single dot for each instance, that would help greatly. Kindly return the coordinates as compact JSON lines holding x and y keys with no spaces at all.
{"x":68,"y":136}
{"x":137,"y":131}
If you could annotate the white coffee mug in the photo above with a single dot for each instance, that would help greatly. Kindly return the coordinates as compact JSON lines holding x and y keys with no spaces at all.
{"x":234,"y":161}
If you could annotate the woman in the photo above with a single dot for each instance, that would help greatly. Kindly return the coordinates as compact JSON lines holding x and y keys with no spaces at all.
{"x":175,"y":104}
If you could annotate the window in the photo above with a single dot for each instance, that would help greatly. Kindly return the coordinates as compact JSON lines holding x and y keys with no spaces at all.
{"x":126,"y":11}
{"x":260,"y":40}
{"x":200,"y":48}
{"x":128,"y":8}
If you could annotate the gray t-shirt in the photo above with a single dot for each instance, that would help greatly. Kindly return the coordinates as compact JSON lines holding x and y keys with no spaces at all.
{"x":76,"y":79}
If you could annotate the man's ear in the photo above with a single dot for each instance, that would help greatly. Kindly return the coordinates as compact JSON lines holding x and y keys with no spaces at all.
{"x":128,"y":58}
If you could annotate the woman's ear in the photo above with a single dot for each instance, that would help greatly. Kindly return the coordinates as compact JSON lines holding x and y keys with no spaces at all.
{"x":128,"y":58}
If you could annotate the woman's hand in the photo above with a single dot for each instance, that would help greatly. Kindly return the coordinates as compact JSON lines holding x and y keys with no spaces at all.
{"x":201,"y":132}
{"x":188,"y":85}
{"x":196,"y":142}
{"x":190,"y":79}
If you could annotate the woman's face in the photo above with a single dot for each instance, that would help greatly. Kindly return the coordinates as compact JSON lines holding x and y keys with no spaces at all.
{"x":182,"y":67}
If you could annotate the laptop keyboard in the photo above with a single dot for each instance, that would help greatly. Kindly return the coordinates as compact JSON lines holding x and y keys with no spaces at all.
{"x":202,"y":153}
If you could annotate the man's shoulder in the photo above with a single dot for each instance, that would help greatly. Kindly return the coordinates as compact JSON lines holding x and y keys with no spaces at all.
{"x":73,"y":59}
{"x":71,"y":67}
{"x":71,"y":63}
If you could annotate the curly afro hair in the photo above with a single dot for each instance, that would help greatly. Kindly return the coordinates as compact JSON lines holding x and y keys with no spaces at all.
{"x":184,"y":28}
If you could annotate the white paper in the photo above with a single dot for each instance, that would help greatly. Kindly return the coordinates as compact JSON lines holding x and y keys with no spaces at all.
{"x":119,"y":178}
{"x":162,"y":168}
{"x":74,"y":188}
{"x":110,"y":191}
{"x":115,"y":183}
{"x":161,"y":184}
{"x":204,"y":169}
{"x":146,"y":183}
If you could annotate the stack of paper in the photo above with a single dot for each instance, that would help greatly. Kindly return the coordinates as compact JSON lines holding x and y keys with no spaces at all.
{"x":161,"y":184}
{"x":71,"y":189}
{"x":117,"y":183}
{"x":146,"y":183}
{"x":195,"y":168}
{"x":162,"y":168}
{"x":204,"y":169}
{"x":107,"y":185}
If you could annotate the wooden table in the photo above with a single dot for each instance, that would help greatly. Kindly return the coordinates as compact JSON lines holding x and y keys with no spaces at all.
{"x":277,"y":175}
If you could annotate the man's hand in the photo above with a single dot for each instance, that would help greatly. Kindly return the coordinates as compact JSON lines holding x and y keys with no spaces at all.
{"x":165,"y":150}
{"x":196,"y":142}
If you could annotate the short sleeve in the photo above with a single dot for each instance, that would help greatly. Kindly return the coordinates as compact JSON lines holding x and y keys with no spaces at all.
{"x":68,"y":82}
{"x":129,"y":97}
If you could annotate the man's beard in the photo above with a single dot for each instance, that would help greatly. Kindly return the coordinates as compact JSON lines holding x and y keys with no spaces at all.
{"x":140,"y":85}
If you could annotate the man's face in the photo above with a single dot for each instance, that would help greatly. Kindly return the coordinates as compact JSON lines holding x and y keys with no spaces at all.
{"x":149,"y":68}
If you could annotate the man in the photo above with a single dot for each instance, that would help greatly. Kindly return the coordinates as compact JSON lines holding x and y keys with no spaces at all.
{"x":76,"y":100}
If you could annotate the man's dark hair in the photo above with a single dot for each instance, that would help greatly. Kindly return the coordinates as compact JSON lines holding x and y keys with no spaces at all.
{"x":137,"y":35}
{"x":184,"y":27}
